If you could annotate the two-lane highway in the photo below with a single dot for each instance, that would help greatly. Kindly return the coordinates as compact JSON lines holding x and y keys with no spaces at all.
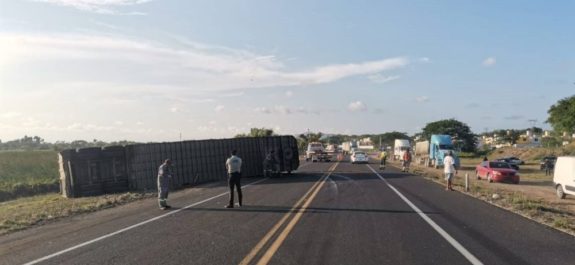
{"x":327,"y":213}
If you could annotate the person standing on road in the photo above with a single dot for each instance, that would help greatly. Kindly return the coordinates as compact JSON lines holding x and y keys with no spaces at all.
{"x":406,"y":160}
{"x":449,"y":169}
{"x":383,"y":157}
{"x":164,"y":176}
{"x":548,"y":167}
{"x":271,"y":165}
{"x":234,"y":166}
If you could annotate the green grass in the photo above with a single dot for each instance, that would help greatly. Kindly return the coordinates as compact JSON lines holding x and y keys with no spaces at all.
{"x":25,"y":173}
{"x":25,"y":212}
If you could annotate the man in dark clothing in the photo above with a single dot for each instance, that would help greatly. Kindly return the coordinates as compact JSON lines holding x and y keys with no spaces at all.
{"x":271,"y":164}
{"x":548,"y":167}
{"x":234,"y":166}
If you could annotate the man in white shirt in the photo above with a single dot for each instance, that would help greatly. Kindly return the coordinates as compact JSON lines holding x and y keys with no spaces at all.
{"x":449,"y":169}
{"x":234,"y":166}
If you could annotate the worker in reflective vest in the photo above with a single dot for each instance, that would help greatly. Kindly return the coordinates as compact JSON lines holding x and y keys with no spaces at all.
{"x":164,"y":176}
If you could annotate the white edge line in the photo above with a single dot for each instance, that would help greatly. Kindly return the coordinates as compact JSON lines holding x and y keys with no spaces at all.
{"x":131,"y":227}
{"x":470,"y":257}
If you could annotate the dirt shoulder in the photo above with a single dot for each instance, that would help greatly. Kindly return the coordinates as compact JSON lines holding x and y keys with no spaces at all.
{"x":534,"y":197}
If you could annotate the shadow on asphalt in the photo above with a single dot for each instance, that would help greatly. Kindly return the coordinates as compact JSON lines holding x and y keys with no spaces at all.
{"x":336,"y":176}
{"x":281,"y":209}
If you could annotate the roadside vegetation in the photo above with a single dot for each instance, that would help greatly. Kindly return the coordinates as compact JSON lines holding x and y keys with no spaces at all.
{"x":25,"y":212}
{"x":26,"y":173}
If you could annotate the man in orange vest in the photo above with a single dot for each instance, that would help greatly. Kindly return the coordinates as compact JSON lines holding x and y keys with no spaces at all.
{"x":406,"y":161}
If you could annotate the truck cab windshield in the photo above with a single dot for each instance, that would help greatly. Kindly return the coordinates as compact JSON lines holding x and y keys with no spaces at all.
{"x":445,"y":147}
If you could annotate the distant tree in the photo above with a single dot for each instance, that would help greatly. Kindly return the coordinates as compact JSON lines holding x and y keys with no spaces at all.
{"x":257,"y":132}
{"x":551,"y":142}
{"x":388,"y":138}
{"x":336,"y":138}
{"x":537,"y":130}
{"x":562,"y":115}
{"x":456,"y":129}
{"x":305,"y":138}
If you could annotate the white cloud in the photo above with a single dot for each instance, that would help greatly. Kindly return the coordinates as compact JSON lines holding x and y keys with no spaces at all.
{"x":233,"y":95}
{"x":88,"y":127}
{"x":357,"y":106}
{"x":202,"y":100}
{"x":282,"y":110}
{"x":263,"y":110}
{"x":98,"y":6}
{"x":155,"y":79}
{"x":303,"y":110}
{"x":489,"y":61}
{"x":289,"y":93}
{"x":422,"y":99}
{"x":285,"y":110}
{"x":219,"y":108}
{"x":191,"y":68}
{"x":11,"y":115}
{"x":380,"y":79}
{"x":424,"y":60}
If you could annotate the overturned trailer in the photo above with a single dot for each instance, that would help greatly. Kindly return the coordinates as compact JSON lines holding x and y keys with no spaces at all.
{"x":95,"y":171}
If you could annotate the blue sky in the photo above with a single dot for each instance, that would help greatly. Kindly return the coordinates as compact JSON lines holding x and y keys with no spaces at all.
{"x":148,"y":70}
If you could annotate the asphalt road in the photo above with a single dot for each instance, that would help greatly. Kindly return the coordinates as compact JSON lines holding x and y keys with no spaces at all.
{"x":327,"y":213}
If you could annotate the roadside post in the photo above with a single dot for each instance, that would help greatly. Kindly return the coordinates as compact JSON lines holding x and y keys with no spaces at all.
{"x":466,"y":181}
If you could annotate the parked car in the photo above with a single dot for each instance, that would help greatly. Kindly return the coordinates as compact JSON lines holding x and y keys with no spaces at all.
{"x":508,"y":161}
{"x":514,"y":160}
{"x":359,"y":157}
{"x":551,"y":159}
{"x":564,"y":176}
{"x":497,"y":171}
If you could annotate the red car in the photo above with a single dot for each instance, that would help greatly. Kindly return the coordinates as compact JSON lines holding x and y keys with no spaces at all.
{"x":496,"y":171}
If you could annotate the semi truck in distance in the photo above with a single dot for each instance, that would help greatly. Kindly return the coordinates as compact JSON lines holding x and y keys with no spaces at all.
{"x":317,"y":153}
{"x":349,"y":147}
{"x":432,"y":152}
{"x":399,"y":146}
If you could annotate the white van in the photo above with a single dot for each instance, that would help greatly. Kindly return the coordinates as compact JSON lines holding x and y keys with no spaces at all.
{"x":564,"y":176}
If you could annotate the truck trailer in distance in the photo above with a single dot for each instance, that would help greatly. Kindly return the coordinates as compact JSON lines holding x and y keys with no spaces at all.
{"x":399,"y":146}
{"x":432,"y":152}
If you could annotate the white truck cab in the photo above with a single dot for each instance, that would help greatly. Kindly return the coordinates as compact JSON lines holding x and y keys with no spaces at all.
{"x":564,"y":176}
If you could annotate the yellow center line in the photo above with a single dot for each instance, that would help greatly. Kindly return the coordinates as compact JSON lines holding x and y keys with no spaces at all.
{"x":277,"y":226}
{"x":266,"y":257}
